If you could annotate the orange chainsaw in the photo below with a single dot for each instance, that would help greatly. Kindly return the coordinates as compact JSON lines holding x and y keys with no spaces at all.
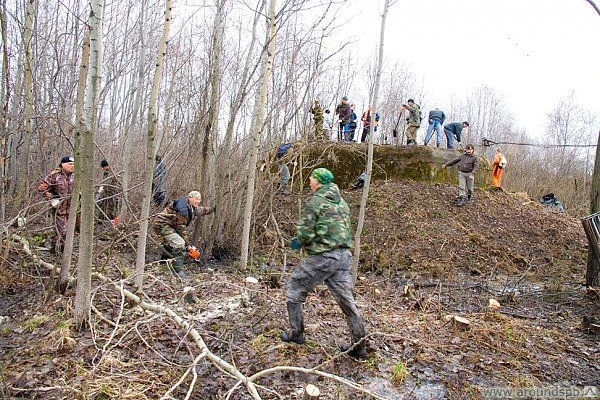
{"x":194,"y":253}
{"x":197,"y":255}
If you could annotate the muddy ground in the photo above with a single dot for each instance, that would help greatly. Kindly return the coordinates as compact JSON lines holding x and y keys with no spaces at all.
{"x":423,"y":260}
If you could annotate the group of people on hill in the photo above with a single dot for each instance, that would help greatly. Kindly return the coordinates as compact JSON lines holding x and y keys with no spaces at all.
{"x":344,"y":121}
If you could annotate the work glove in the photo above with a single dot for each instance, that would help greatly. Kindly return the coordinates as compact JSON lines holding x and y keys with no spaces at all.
{"x":55,"y":203}
{"x":101,"y":190}
{"x":295,"y":243}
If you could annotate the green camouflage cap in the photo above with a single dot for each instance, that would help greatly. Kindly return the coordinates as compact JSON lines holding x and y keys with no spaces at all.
{"x":323,"y":175}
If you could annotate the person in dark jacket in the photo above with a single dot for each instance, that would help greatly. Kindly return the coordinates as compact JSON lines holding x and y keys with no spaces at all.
{"x":57,"y":188}
{"x":344,"y":112}
{"x":454,"y":131}
{"x":107,"y":195}
{"x":467,"y":165}
{"x":159,"y":179}
{"x":436,"y":119}
{"x":324,"y":232}
{"x":171,"y":225}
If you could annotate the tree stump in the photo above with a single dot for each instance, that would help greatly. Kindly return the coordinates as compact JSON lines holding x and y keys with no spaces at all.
{"x":311,"y":392}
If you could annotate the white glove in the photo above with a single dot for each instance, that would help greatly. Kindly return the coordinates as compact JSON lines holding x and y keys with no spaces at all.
{"x":101,"y":190}
{"x":55,"y":203}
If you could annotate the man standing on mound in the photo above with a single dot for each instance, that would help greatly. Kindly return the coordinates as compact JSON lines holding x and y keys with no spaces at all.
{"x":467,"y":165}
{"x":324,"y":231}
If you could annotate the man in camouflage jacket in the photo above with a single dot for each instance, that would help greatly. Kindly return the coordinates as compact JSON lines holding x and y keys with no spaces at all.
{"x":57,"y":188}
{"x":324,"y":231}
{"x":171,"y":225}
{"x":413,"y":121}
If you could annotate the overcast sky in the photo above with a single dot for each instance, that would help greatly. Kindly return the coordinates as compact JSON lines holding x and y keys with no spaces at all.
{"x":533,"y":52}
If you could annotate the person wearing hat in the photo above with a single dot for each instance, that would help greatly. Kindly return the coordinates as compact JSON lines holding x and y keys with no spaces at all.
{"x":171,"y":225}
{"x":413,"y":122}
{"x":107,"y":195}
{"x":344,"y":112}
{"x":57,"y":188}
{"x":324,"y":232}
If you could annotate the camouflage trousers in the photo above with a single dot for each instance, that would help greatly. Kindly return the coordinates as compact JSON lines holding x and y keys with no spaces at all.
{"x":333,"y":268}
{"x":60,"y":223}
{"x":411,"y":133}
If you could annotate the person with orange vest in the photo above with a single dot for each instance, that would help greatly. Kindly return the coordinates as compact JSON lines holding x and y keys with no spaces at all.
{"x":498,"y":166}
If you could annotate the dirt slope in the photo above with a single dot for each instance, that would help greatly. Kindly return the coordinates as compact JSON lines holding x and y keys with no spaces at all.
{"x":422,"y":260}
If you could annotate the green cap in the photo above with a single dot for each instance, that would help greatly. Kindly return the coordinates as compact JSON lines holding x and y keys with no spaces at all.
{"x":323,"y":175}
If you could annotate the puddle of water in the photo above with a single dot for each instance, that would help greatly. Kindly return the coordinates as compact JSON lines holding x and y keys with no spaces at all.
{"x":409,"y":390}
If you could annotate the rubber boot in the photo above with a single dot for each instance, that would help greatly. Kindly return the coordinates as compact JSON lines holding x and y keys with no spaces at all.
{"x":296,"y":319}
{"x":357,"y":333}
{"x":461,"y":202}
{"x":469,"y":194}
{"x":178,"y":263}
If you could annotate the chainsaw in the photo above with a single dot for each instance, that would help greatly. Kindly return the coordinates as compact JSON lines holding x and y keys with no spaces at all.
{"x":196,"y":255}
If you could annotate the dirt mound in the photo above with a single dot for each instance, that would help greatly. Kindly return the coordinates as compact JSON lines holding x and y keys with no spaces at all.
{"x":423,"y":261}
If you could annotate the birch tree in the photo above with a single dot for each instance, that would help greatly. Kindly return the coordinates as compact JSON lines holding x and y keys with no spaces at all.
{"x":256,"y":127}
{"x":87,"y":126}
{"x":4,"y":99}
{"x":150,"y":149}
{"x":365,"y":193}
{"x":79,"y":109}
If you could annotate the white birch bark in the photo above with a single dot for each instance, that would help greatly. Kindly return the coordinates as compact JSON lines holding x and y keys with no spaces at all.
{"x":4,"y":98}
{"x":365,"y":193}
{"x":81,"y":85}
{"x":86,"y":161}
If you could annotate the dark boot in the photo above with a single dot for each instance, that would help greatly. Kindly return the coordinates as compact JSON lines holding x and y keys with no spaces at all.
{"x":167,"y":253}
{"x":469,"y":194}
{"x":178,"y":263}
{"x":296,"y":319}
{"x":357,"y":332}
{"x":461,"y":202}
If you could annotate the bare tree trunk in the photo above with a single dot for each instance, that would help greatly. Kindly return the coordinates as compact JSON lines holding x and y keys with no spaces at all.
{"x":81,"y":85}
{"x":211,"y":131}
{"x":4,"y":98}
{"x":365,"y":193}
{"x":140,"y":260}
{"x":88,"y":126}
{"x":594,"y":5}
{"x":137,"y":106}
{"x":225,"y":179}
{"x":256,"y":127}
{"x":28,"y":80}
{"x":592,"y":276}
